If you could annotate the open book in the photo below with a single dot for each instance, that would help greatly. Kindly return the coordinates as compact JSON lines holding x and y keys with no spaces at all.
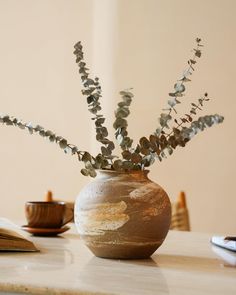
{"x":12,"y":240}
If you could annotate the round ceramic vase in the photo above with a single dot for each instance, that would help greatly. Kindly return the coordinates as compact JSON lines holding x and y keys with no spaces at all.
{"x":123,"y":215}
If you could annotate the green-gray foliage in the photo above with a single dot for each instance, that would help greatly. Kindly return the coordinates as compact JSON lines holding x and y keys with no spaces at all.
{"x":92,"y":91}
{"x":171,"y":133}
{"x":120,"y":125}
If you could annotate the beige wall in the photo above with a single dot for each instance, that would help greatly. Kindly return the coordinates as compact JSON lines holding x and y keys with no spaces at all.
{"x":140,"y":44}
{"x":39,"y":82}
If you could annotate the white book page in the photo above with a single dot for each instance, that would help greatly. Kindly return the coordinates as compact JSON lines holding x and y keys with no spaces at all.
{"x":10,"y":230}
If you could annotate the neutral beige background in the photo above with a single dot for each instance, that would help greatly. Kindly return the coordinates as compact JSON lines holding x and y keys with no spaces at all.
{"x":140,"y":44}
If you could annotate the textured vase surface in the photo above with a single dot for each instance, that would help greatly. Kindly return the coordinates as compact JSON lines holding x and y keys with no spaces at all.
{"x":123,"y":215}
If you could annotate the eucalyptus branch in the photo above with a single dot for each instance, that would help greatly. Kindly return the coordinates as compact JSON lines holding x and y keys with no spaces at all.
{"x":187,"y":133}
{"x":92,"y":91}
{"x":179,"y":89}
{"x":181,"y":136}
{"x":188,"y":117}
{"x":161,"y":146}
{"x":157,"y":146}
{"x":90,"y":162}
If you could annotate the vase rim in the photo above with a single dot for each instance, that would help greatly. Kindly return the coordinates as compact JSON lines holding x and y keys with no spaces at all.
{"x":145,"y":171}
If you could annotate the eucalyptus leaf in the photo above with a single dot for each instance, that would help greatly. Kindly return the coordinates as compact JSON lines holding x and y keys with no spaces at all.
{"x":127,"y":100}
{"x":111,"y":145}
{"x":119,"y":123}
{"x":99,"y":121}
{"x":86,"y":157}
{"x":126,"y":93}
{"x":136,"y":158}
{"x":179,"y":87}
{"x":74,"y":150}
{"x":52,"y":138}
{"x":122,"y":104}
{"x":144,"y":142}
{"x":158,"y":131}
{"x":198,"y":53}
{"x":164,"y":119}
{"x":145,"y":151}
{"x":84,"y":171}
{"x":92,"y":173}
{"x":104,"y":131}
{"x":90,"y":99}
{"x":126,"y":155}
{"x":122,"y":113}
{"x":117,"y":165}
{"x":62,"y":143}
{"x":48,"y":133}
{"x":105,"y":151}
{"x":127,"y":165}
{"x":88,"y":165}
{"x":38,"y":128}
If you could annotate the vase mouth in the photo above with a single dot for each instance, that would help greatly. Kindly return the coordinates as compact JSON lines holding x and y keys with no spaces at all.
{"x":131,"y":172}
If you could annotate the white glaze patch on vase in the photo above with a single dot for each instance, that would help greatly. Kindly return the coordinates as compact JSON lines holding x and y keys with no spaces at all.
{"x":99,"y":218}
{"x":142,"y":191}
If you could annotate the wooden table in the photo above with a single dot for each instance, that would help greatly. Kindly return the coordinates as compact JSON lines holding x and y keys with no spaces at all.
{"x":185,"y":264}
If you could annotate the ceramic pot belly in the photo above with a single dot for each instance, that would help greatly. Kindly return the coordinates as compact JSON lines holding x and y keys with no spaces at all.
{"x":123,"y":215}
